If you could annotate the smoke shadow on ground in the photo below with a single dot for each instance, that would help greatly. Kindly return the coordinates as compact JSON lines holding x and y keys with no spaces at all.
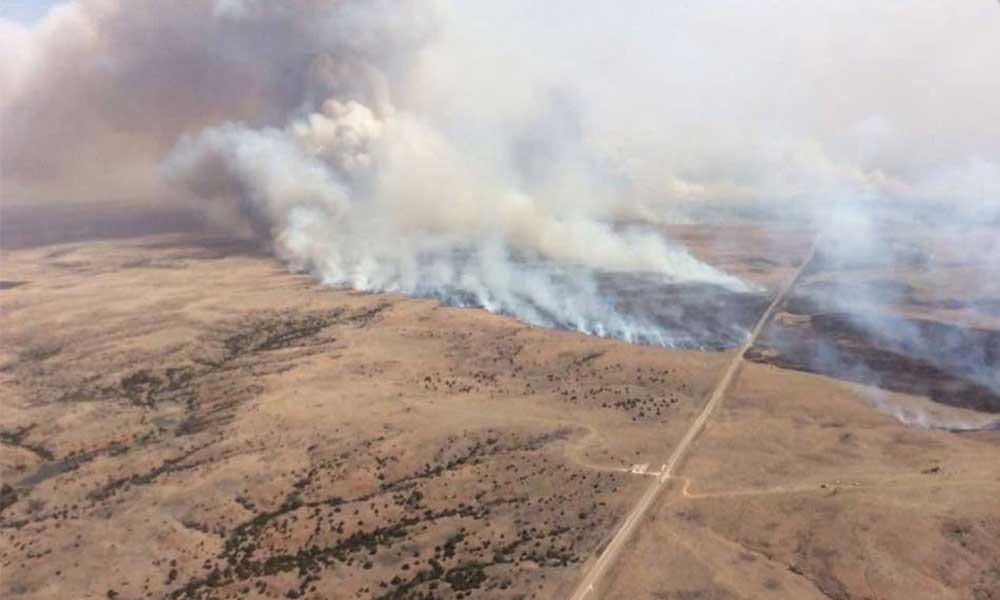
{"x":857,"y":331}
{"x":170,"y":228}
{"x":32,"y":226}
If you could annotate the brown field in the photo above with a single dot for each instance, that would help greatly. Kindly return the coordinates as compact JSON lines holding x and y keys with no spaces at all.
{"x":180,"y":417}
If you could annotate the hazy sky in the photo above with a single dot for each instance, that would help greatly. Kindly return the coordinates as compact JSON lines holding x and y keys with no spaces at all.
{"x":683,"y":101}
{"x":25,"y":11}
{"x":420,"y":145}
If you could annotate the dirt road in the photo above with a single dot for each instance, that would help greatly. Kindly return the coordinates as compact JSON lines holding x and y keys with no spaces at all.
{"x":614,"y":547}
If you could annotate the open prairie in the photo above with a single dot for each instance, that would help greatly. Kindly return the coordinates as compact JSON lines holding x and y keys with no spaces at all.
{"x":184,"y":418}
{"x":447,"y":299}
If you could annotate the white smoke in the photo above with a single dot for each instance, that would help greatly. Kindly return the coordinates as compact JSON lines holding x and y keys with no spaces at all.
{"x":492,"y":153}
{"x":388,"y":204}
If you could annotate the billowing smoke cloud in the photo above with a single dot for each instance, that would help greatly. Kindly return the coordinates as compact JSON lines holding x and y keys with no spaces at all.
{"x":636,"y":107}
{"x":384,"y":204}
{"x":514,"y":155}
{"x":295,"y":118}
{"x":96,"y":94}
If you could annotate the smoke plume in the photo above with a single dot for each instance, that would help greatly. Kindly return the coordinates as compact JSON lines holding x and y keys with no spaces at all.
{"x":512,"y":155}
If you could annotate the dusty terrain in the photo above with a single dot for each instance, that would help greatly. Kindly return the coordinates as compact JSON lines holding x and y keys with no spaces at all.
{"x":798,"y":490}
{"x":192,"y":421}
{"x":804,"y":486}
{"x":183,"y":418}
